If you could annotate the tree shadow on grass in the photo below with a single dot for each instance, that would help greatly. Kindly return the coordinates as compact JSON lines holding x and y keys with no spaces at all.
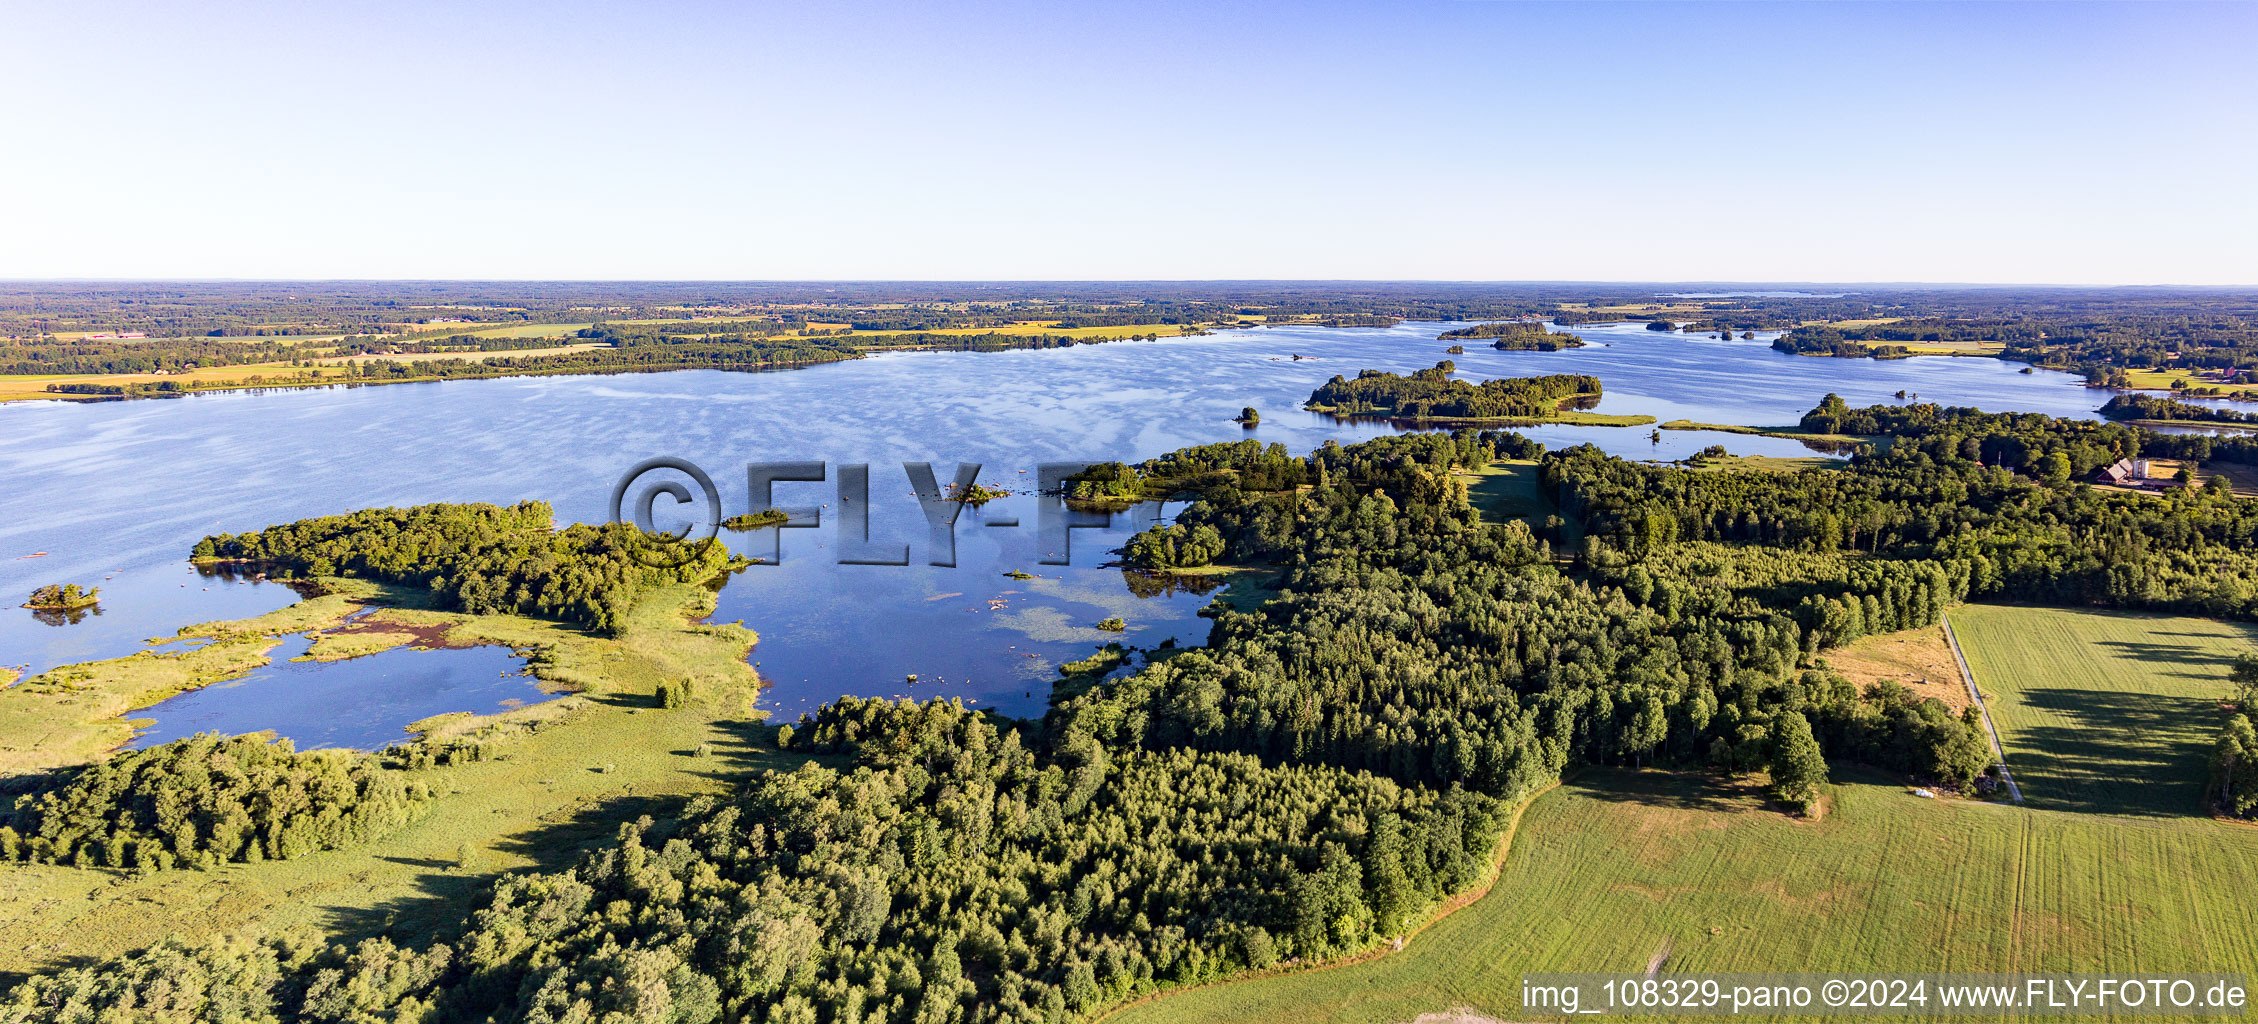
{"x":1673,"y":790}
{"x":2206,"y":665}
{"x":2135,"y":754}
{"x":446,"y":894}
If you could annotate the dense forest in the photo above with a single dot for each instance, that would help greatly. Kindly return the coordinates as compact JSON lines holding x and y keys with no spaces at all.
{"x":1432,"y":394}
{"x":208,"y":800}
{"x":479,"y":558}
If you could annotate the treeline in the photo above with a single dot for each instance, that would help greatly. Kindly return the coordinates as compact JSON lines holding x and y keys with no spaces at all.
{"x":135,"y":356}
{"x":2042,"y":540}
{"x":2104,"y":344}
{"x":203,"y":801}
{"x":1432,"y":394}
{"x":481,"y":558}
{"x":2023,"y":440}
{"x":2234,"y":756}
{"x":2138,"y":406}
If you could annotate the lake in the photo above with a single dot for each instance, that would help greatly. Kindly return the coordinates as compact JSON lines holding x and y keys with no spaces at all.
{"x":115,"y":493}
{"x":358,"y":702}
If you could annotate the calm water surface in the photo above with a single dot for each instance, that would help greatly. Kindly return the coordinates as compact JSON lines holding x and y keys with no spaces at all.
{"x":116,"y":493}
{"x":359,"y":702}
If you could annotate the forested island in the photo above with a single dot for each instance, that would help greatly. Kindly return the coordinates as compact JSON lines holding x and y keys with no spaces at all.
{"x":1515,"y":336}
{"x":63,"y":597}
{"x":1432,"y":394}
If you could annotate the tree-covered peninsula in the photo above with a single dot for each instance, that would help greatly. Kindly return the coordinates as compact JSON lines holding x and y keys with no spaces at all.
{"x":481,"y":558}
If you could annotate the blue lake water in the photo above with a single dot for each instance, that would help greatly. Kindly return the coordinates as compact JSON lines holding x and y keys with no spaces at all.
{"x":358,"y":702}
{"x":115,"y":493}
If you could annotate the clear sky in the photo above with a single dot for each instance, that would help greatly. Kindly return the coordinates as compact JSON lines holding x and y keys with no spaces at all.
{"x":821,"y":139}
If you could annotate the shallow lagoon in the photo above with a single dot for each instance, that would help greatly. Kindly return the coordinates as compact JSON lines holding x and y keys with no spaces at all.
{"x":358,"y":702}
{"x":116,"y":493}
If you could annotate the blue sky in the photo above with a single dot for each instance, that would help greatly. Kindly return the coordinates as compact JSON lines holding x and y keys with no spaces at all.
{"x":2065,"y":143}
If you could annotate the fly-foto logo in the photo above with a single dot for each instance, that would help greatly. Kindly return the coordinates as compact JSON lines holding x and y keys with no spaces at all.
{"x":1055,"y":521}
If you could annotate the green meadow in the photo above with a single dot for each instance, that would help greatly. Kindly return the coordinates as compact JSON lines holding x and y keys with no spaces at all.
{"x":2105,"y":712}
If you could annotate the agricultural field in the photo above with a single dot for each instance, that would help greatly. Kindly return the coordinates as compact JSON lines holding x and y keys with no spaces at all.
{"x":15,"y":387}
{"x":2162,"y":380}
{"x":529,"y":331}
{"x":1616,"y":869}
{"x":2104,"y":712}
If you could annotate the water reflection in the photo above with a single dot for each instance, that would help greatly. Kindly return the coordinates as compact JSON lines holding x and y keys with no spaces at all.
{"x":361,"y":702}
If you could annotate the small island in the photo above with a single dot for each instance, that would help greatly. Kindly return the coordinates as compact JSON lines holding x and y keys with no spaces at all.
{"x":1455,"y":350}
{"x":975,"y":495}
{"x":1514,"y":336}
{"x":1431,"y":394}
{"x":63,"y":597}
{"x":1248,"y":417}
{"x":755,"y":520}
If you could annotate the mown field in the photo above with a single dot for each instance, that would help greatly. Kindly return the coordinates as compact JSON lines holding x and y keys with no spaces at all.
{"x":1616,"y":868}
{"x":2106,"y":712}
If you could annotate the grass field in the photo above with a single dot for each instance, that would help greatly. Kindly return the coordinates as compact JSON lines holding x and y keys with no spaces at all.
{"x":2242,"y":478}
{"x":1769,"y":463}
{"x":2161,"y":380}
{"x":1792,"y":433}
{"x":599,"y":758}
{"x":1508,"y":490}
{"x":2106,"y":712}
{"x":1617,"y":867}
